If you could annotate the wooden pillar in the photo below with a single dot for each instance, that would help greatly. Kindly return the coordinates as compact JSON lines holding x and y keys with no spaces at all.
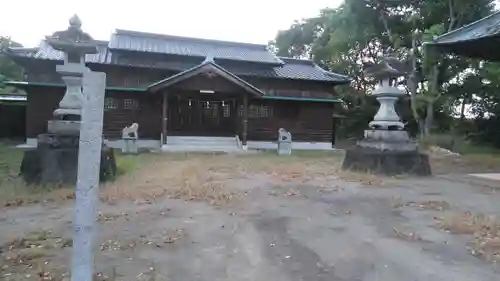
{"x":244,"y":134}
{"x":334,"y":125}
{"x":236,"y":110}
{"x":164,"y":118}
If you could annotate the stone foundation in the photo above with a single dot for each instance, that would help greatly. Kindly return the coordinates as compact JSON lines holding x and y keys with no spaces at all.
{"x":55,"y":161}
{"x":386,"y":162}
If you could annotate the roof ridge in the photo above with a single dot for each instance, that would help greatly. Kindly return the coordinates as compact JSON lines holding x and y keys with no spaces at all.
{"x":22,"y":48}
{"x":296,"y":60}
{"x":176,"y":37}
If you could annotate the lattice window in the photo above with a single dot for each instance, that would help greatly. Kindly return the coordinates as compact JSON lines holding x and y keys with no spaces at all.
{"x":258,"y":111}
{"x":226,"y":111}
{"x":110,"y":103}
{"x":130,"y":104}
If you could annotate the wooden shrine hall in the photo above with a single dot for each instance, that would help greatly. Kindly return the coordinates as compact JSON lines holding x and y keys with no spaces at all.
{"x":177,"y":86}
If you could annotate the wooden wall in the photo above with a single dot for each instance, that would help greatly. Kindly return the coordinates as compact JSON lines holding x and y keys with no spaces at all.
{"x":41,"y":103}
{"x":43,"y":100}
{"x":13,"y":120}
{"x":307,"y":121}
{"x":132,"y":107}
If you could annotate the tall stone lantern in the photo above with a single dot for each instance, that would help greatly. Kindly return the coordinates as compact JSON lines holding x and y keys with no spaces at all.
{"x":386,"y":147}
{"x":55,"y":160}
{"x":74,"y":44}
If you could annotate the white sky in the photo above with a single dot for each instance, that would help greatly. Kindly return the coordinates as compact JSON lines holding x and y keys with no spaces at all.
{"x":257,"y":21}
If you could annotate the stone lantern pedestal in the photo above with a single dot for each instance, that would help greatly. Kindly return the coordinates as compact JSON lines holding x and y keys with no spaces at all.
{"x":386,"y":147}
{"x":55,"y":160}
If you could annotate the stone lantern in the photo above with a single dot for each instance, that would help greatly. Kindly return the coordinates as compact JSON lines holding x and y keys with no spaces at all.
{"x":386,"y":147}
{"x":74,"y":44}
{"x":55,"y":159}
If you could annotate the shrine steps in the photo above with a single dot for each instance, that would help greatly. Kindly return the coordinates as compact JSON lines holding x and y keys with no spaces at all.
{"x":201,"y":144}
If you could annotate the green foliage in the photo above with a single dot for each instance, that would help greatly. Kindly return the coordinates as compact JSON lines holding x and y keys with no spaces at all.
{"x":8,"y":69}
{"x":358,"y":31}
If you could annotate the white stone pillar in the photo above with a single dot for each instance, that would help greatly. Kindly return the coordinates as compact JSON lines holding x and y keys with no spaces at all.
{"x":87,"y":187}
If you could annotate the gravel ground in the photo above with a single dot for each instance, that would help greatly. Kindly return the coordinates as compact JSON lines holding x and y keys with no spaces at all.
{"x":295,"y":228}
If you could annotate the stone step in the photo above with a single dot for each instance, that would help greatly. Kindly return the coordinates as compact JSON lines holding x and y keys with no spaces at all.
{"x":201,"y":144}
{"x":215,"y":141}
{"x":197,"y":148}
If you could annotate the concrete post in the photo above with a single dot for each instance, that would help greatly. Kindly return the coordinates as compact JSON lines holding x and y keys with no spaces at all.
{"x":87,"y":187}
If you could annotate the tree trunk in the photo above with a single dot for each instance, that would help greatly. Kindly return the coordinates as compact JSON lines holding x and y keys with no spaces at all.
{"x":462,"y":109}
{"x":429,"y":119}
{"x":412,"y":85}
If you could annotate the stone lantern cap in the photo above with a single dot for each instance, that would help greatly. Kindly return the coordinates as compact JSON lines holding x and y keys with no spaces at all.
{"x":73,"y":39}
{"x":388,"y":68}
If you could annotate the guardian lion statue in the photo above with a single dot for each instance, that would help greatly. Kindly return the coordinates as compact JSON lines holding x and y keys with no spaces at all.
{"x":131,"y":131}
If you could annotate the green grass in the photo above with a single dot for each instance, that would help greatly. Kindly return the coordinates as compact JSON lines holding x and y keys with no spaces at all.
{"x":126,"y":163}
{"x":10,"y":160}
{"x":460,"y":145}
{"x":11,"y":185}
{"x":13,"y":190}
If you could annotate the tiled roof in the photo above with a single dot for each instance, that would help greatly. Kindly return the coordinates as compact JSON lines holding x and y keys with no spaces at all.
{"x":185,"y":46}
{"x":22,"y":52}
{"x":486,"y":27}
{"x":289,"y":69}
{"x":292,"y":69}
{"x":46,"y":52}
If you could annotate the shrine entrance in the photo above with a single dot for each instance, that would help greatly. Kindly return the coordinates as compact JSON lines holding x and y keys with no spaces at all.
{"x":202,"y":116}
{"x":205,"y":100}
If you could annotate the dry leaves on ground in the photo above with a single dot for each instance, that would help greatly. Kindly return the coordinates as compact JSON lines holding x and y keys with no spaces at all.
{"x":435,"y":205}
{"x":406,"y":235}
{"x":189,"y":179}
{"x":485,"y":229}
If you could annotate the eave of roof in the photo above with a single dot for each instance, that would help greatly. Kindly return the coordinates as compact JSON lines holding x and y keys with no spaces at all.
{"x":208,"y":64}
{"x":22,"y":84}
{"x":475,"y":40}
{"x":486,"y":27}
{"x":12,"y":98}
{"x":300,"y":99}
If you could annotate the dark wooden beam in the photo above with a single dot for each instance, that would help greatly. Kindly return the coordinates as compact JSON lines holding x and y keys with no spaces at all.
{"x":244,"y":134}
{"x":237,"y":116}
{"x":164,"y":119}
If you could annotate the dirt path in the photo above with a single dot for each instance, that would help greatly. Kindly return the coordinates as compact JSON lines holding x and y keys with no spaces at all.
{"x":292,"y":228}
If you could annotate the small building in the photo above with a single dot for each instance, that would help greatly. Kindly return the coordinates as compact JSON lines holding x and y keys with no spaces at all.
{"x":179,"y":86}
{"x":13,"y":116}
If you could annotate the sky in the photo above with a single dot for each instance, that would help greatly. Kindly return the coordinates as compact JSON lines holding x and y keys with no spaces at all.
{"x":257,"y":21}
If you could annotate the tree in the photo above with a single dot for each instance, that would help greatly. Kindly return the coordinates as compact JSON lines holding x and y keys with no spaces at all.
{"x":8,"y":69}
{"x":360,"y":31}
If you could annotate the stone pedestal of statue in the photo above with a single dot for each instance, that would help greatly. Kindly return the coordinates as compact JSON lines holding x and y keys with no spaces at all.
{"x":388,"y":153}
{"x":55,"y":160}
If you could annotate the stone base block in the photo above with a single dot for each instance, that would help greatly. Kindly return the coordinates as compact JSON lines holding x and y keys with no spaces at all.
{"x":64,"y":127}
{"x":389,"y":146}
{"x":388,"y":163}
{"x":45,"y":165}
{"x":284,"y":148}
{"x":50,"y":140}
{"x":130,"y":146}
{"x":386,"y":135}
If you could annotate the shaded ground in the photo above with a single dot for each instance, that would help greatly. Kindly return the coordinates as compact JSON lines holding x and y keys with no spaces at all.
{"x":262,"y":217}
